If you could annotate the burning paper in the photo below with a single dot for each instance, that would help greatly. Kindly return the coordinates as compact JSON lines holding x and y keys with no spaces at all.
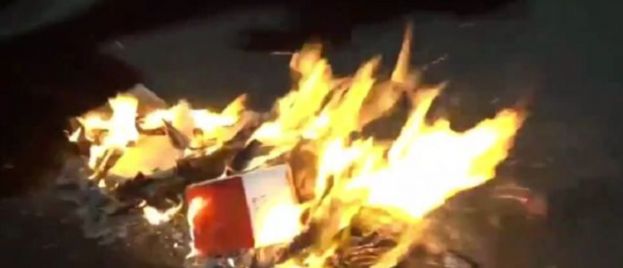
{"x":251,"y":210}
{"x":346,"y":181}
{"x":155,"y":139}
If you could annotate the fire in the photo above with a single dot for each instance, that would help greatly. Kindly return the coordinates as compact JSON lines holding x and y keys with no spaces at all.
{"x":279,"y":224}
{"x":157,"y":217}
{"x":117,"y":132}
{"x":405,"y":178}
{"x":425,"y":166}
{"x":297,"y":110}
{"x":194,"y":207}
{"x":120,"y":128}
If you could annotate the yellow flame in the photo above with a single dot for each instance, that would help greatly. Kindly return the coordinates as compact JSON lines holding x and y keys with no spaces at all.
{"x":296,"y":111}
{"x":280,"y":222}
{"x":406,"y":178}
{"x":122,"y":128}
{"x":148,"y":154}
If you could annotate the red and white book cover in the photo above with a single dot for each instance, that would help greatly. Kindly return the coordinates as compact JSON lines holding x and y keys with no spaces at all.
{"x":245,"y":211}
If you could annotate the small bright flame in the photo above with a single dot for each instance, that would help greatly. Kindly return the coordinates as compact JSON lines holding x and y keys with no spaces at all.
{"x":119,"y":129}
{"x":281,"y":222}
{"x":194,"y":207}
{"x":122,"y":128}
{"x":157,"y":217}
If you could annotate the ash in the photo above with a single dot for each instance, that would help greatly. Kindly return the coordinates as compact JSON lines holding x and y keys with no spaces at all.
{"x":110,"y":221}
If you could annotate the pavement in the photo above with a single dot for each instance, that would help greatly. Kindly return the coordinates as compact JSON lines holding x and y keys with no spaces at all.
{"x":560,"y":57}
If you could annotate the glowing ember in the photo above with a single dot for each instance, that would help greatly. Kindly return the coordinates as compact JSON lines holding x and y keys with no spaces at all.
{"x":405,"y":178}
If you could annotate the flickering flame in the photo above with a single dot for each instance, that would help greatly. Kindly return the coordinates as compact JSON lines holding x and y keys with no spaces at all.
{"x":297,"y":110}
{"x":157,"y":217}
{"x":425,"y":166}
{"x":194,"y":207}
{"x":406,"y":178}
{"x":120,"y":129}
{"x":279,"y":224}
{"x":147,"y":154}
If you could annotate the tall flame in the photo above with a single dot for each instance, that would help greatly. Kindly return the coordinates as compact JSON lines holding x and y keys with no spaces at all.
{"x":408,"y":178}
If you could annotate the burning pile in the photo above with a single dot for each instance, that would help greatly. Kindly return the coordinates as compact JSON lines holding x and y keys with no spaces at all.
{"x":357,"y":201}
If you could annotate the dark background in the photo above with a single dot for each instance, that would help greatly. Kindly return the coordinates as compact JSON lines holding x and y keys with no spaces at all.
{"x":564,"y":56}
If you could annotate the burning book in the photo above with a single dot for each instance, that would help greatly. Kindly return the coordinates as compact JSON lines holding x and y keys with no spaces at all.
{"x":345,"y":198}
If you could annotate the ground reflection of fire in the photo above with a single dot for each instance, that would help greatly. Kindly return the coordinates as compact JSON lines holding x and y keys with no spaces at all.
{"x":351,"y":182}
